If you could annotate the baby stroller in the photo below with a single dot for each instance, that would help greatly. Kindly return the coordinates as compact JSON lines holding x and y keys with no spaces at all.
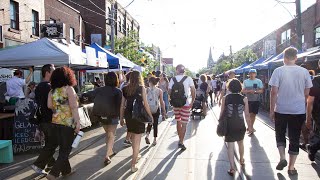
{"x":197,"y":108}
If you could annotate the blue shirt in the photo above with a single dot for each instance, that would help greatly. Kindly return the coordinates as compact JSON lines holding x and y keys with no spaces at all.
{"x":255,"y":84}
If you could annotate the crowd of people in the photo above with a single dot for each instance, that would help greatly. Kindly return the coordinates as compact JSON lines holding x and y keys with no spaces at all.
{"x":115,"y":101}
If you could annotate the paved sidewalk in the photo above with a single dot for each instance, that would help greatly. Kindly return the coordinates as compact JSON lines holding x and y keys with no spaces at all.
{"x":89,"y":162}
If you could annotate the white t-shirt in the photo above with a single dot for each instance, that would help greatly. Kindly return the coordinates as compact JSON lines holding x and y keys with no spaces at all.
{"x":224,"y":88}
{"x":214,"y":84}
{"x":15,"y":87}
{"x":188,"y":83}
{"x":291,"y":81}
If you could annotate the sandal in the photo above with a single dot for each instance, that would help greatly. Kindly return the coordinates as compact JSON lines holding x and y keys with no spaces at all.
{"x":242,"y":163}
{"x":231,"y":172}
{"x":107,"y":162}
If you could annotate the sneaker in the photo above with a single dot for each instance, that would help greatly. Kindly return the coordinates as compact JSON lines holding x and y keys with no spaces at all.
{"x":37,"y":169}
{"x":311,"y":156}
{"x":283,"y":163}
{"x":127,"y":143}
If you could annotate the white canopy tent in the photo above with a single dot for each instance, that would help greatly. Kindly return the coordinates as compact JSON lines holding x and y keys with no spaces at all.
{"x":44,"y":51}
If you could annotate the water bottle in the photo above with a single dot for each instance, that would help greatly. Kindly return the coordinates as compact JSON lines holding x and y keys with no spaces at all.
{"x":77,"y":139}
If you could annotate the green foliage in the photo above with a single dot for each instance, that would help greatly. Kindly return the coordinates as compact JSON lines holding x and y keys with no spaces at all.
{"x":205,"y":70}
{"x":226,"y":63}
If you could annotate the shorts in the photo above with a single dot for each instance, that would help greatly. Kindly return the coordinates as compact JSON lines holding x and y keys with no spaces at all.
{"x":254,"y":107}
{"x":108,"y":121}
{"x":182,"y":114}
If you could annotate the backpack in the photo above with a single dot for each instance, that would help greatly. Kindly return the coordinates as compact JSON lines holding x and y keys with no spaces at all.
{"x":153,"y":99}
{"x":178,"y":97}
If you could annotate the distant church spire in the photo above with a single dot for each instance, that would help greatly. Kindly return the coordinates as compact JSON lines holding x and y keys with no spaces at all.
{"x":210,"y":62}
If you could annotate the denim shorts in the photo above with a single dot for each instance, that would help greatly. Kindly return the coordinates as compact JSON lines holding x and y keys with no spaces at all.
{"x":108,"y":121}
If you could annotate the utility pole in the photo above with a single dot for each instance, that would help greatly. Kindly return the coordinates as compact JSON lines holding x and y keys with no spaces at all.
{"x":299,"y":29}
{"x":112,"y":26}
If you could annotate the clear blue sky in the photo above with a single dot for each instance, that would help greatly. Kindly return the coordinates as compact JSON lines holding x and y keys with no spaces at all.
{"x":185,"y":29}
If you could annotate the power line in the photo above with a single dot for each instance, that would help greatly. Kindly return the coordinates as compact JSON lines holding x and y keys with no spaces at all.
{"x":129,"y":4}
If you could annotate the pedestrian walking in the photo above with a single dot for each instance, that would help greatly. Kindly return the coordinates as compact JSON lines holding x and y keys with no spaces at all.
{"x":180,"y":87}
{"x":164,"y":86}
{"x":290,"y":85}
{"x":252,"y":88}
{"x":63,"y":101}
{"x":209,"y":80}
{"x":232,"y":108}
{"x":204,"y":88}
{"x":127,"y":141}
{"x":107,"y":101}
{"x":155,"y":101}
{"x":44,"y":117}
{"x":313,"y":115}
{"x":224,"y":90}
{"x":134,"y":90}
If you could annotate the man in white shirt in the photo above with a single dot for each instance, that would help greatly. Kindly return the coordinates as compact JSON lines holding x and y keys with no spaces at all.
{"x":214,"y":87}
{"x":16,"y":84}
{"x":290,"y":86}
{"x":182,"y":114}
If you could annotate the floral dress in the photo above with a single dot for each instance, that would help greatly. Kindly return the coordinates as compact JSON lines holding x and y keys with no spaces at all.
{"x":62,"y":113}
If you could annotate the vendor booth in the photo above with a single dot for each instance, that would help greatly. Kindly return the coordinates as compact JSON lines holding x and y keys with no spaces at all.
{"x":16,"y":126}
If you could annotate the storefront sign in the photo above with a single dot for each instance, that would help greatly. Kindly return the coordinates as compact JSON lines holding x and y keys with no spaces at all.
{"x":269,"y":48}
{"x":52,"y":30}
{"x":96,"y":38}
{"x":5,"y":74}
{"x":102,"y":60}
{"x":91,"y":56}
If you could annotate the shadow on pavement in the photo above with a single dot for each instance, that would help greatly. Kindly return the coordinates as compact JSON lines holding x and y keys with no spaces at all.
{"x":260,"y":162}
{"x":165,"y":165}
{"x":221,"y":166}
{"x":316,"y":168}
{"x":209,"y":170}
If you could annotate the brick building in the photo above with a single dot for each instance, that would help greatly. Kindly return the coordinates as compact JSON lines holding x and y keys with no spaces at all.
{"x":96,"y":15}
{"x":20,"y":21}
{"x":57,"y":11}
{"x":285,"y":36}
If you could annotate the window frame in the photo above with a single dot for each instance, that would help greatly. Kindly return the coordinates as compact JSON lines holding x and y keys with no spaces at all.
{"x":315,"y":35}
{"x":119,"y":24}
{"x":1,"y":33}
{"x":72,"y":38}
{"x":14,"y":16}
{"x":35,"y":24}
{"x":286,"y":37}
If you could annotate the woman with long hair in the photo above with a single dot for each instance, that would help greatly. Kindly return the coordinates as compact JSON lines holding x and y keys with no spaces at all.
{"x":107,"y":101}
{"x":155,"y":99}
{"x":204,"y":87}
{"x":232,"y":108}
{"x":63,"y":101}
{"x":134,"y":90}
{"x":164,"y":86}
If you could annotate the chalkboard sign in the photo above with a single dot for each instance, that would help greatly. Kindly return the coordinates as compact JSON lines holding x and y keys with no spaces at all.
{"x":24,"y":132}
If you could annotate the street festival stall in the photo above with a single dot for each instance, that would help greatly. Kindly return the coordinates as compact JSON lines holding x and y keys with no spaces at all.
{"x":44,"y":51}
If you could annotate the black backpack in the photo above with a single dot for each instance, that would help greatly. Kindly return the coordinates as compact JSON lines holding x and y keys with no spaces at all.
{"x":178,"y":97}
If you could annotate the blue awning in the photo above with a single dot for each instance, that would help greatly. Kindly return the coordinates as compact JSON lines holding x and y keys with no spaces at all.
{"x":113,"y":60}
{"x":237,"y":70}
{"x":248,"y":67}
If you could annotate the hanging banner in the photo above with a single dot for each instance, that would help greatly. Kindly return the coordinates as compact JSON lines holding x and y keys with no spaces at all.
{"x":102,"y":60}
{"x":91,"y":56}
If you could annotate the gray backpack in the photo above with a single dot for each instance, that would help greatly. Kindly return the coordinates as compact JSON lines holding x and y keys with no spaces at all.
{"x":153,"y":99}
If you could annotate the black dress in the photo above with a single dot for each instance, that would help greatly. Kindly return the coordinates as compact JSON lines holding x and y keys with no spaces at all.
{"x":133,"y":126}
{"x":234,"y":105}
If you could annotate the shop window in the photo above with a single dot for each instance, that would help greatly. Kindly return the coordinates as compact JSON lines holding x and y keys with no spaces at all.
{"x":317,"y":36}
{"x":14,"y":15}
{"x":285,"y":37}
{"x":72,"y":35}
{"x":35,"y":23}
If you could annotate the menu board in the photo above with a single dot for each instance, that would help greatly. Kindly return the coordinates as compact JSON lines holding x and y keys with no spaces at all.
{"x":24,"y":132}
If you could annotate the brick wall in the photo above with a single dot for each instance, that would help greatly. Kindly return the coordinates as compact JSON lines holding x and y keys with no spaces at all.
{"x":23,"y":35}
{"x":63,"y":13}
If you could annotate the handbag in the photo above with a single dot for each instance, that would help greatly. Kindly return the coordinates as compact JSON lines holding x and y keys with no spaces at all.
{"x":222,"y":127}
{"x":139,"y":112}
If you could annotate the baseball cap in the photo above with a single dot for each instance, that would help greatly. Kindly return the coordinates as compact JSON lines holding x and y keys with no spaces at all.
{"x":252,"y":71}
